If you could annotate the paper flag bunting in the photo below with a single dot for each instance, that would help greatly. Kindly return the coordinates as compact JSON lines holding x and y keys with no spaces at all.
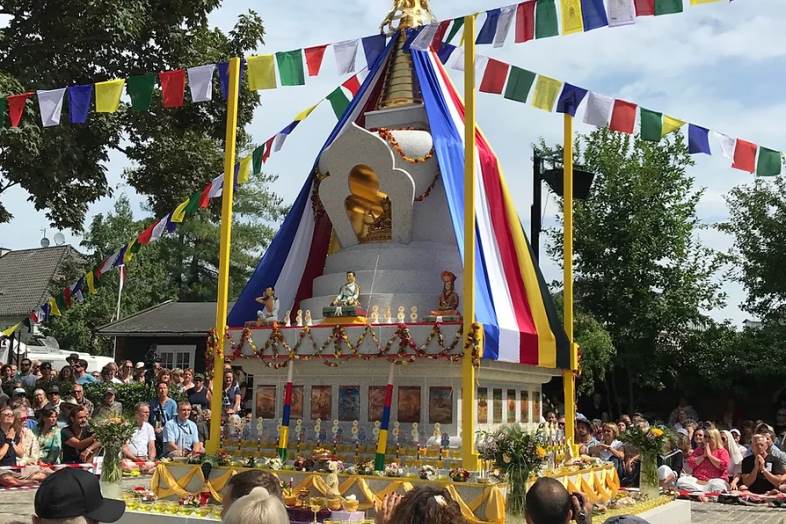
{"x":571,"y":17}
{"x":200,"y":82}
{"x":80,"y":98}
{"x":745,"y":156}
{"x":546,"y":92}
{"x":108,"y":95}
{"x":314,"y":56}
{"x":525,"y":21}
{"x":346,"y":54}
{"x":261,"y":72}
{"x":621,"y":12}
{"x":50,"y":105}
{"x":173,"y":87}
{"x":140,"y":90}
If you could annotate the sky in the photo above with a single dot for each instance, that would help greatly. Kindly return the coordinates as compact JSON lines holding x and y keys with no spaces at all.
{"x":718,"y":65}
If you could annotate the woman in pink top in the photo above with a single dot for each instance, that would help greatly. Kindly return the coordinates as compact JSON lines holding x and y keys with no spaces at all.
{"x":709,"y":464}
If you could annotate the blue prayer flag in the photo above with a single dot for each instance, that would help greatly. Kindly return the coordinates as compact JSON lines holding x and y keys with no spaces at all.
{"x":445,"y":51}
{"x":79,"y":99}
{"x":223,"y":77}
{"x":570,"y":98}
{"x":698,"y":140}
{"x":373,"y":46}
{"x":594,"y":14}
{"x":289,"y":128}
{"x":489,"y":29}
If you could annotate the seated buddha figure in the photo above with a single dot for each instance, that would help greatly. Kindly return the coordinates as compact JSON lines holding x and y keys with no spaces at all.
{"x":448,"y":299}
{"x":349,"y":294}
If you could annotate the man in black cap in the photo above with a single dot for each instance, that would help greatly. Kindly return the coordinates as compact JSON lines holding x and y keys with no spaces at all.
{"x":71,"y":493}
{"x":53,"y":396}
{"x":47,"y":376}
{"x":109,"y":406}
{"x":73,"y":357}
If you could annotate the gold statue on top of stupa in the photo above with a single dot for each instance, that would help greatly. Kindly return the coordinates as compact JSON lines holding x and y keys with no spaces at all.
{"x":410,"y":13}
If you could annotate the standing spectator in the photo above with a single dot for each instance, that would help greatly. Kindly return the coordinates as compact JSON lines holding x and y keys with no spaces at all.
{"x":126,"y":374}
{"x":26,"y":375}
{"x":39,"y":399}
{"x":47,"y":376}
{"x":139,"y":373}
{"x":231,"y":394}
{"x":82,"y":376}
{"x":199,"y":395}
{"x":203,"y":425}
{"x":761,"y":471}
{"x":79,"y":444}
{"x":735,"y":456}
{"x":140,"y":451}
{"x":165,"y":377}
{"x":162,"y":410}
{"x":109,"y":374}
{"x":29,"y":452}
{"x":48,"y":434}
{"x":7,"y":374}
{"x":109,"y":407}
{"x":72,"y":359}
{"x":181,"y":437}
{"x":687,"y":408}
{"x":709,"y":463}
{"x":188,"y":379}
{"x":79,"y":397}
{"x":66,"y":375}
{"x":584,"y":437}
{"x":177,"y":380}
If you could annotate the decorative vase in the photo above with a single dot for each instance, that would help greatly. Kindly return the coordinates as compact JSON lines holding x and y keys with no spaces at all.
{"x":111,"y":474}
{"x":517,"y":491}
{"x":649,"y":485}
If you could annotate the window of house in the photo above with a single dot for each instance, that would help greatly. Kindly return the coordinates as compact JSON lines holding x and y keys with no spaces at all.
{"x":176,"y":356}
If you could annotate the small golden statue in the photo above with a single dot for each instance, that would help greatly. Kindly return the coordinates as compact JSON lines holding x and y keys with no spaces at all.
{"x":410,"y":13}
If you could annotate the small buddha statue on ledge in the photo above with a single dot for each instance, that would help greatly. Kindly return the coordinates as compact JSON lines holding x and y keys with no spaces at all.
{"x":447,"y":305}
{"x":347,"y":303}
{"x":269,"y":312}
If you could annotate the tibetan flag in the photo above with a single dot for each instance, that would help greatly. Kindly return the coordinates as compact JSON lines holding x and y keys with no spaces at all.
{"x":651,"y":125}
{"x":261,"y":72}
{"x":671,"y":124}
{"x":7,"y":332}
{"x":698,"y":140}
{"x":173,"y":87}
{"x":16,"y":107}
{"x":623,"y":117}
{"x":598,"y":111}
{"x":593,"y":14}
{"x":570,"y":99}
{"x":546,"y":92}
{"x":519,"y":84}
{"x":458,"y":23}
{"x":346,"y":54}
{"x":200,"y":82}
{"x":140,"y":90}
{"x":621,"y":12}
{"x":144,"y":237}
{"x":180,"y":212}
{"x":525,"y":21}
{"x":54,"y":308}
{"x":108,"y":95}
{"x":769,"y":162}
{"x":91,"y":283}
{"x":244,"y":171}
{"x":546,"y":22}
{"x":667,"y":7}
{"x":290,"y":68}
{"x":494,"y":77}
{"x":503,"y":26}
{"x":338,"y":101}
{"x":80,"y":98}
{"x":489,"y":29}
{"x":353,"y":85}
{"x":745,"y":156}
{"x":644,"y":7}
{"x":571,"y":17}
{"x":373,"y":47}
{"x":314,"y":56}
{"x":50,"y":105}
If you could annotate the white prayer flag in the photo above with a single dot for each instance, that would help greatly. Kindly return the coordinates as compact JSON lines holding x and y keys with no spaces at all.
{"x":423,"y":41}
{"x":621,"y":12}
{"x":216,"y":187}
{"x":599,"y":108}
{"x":727,"y":143}
{"x":200,"y":82}
{"x":456,"y":60}
{"x":50,"y":103}
{"x":503,"y":24}
{"x":159,"y":228}
{"x":346,"y":52}
{"x":278,"y":143}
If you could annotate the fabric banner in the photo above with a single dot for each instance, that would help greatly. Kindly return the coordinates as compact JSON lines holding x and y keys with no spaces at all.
{"x":699,"y":2}
{"x":179,"y":214}
{"x":546,"y":92}
{"x":108,"y":95}
{"x":458,"y":23}
{"x":745,"y":156}
{"x":353,"y":85}
{"x":623,"y":116}
{"x":570,"y":99}
{"x":305,"y":113}
{"x":671,"y":124}
{"x":200,"y":82}
{"x":644,"y":7}
{"x":373,"y":46}
{"x":290,"y":68}
{"x":503,"y":26}
{"x":598,"y":111}
{"x":7,"y":332}
{"x":489,"y":28}
{"x":50,"y":105}
{"x":160,"y":228}
{"x":346,"y":54}
{"x":667,"y":7}
{"x":769,"y":162}
{"x":80,"y":98}
{"x":593,"y":14}
{"x":519,"y":84}
{"x":494,"y":77}
{"x":727,"y":144}
{"x":261,"y":72}
{"x":140,"y":90}
{"x":651,"y":125}
{"x":173,"y":87}
{"x":698,"y":140}
{"x":314,"y":56}
{"x":571,"y":17}
{"x":621,"y":12}
{"x":442,"y":28}
{"x":546,"y":21}
{"x":16,"y":107}
{"x":525,"y":21}
{"x":422,"y":42}
{"x":244,"y":171}
{"x":338,"y":101}
{"x":278,"y":142}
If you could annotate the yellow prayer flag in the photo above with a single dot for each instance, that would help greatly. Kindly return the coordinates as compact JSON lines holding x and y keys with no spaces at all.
{"x":108,"y":95}
{"x":8,"y":331}
{"x":244,"y":171}
{"x":305,"y":113}
{"x":261,"y":72}
{"x":546,"y":92}
{"x":698,"y":2}
{"x":91,"y":283}
{"x":670,"y":124}
{"x":571,"y":16}
{"x":129,"y":254}
{"x":53,"y":309}
{"x":180,"y":212}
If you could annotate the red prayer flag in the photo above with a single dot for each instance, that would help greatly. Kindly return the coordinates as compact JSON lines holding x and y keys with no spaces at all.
{"x":745,"y":156}
{"x":623,"y":117}
{"x":144,"y":237}
{"x":67,"y":296}
{"x":314,"y":56}
{"x":645,"y":7}
{"x":494,"y":77}
{"x":436,"y":43}
{"x":16,"y":107}
{"x":353,"y":84}
{"x":268,"y":149}
{"x":173,"y":87}
{"x":204,"y":198}
{"x":525,"y":21}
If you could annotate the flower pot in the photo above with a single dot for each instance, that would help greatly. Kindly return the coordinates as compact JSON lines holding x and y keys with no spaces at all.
{"x":649,"y":485}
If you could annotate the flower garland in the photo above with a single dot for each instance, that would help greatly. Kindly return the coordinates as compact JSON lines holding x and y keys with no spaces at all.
{"x":423,"y":196}
{"x":473,"y":341}
{"x":387,"y":135}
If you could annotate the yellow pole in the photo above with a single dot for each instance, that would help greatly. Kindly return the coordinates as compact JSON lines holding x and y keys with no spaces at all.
{"x":469,"y":454}
{"x":227,"y":195}
{"x":568,"y":376}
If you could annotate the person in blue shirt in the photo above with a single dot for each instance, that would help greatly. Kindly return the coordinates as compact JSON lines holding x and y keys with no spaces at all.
{"x":162,"y":408}
{"x":181,"y":438}
{"x":80,"y":371}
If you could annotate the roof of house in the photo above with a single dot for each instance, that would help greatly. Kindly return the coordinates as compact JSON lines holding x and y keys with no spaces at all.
{"x":168,"y":319}
{"x":25,"y":277}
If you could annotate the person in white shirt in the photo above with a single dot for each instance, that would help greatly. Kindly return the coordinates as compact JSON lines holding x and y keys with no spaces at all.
{"x":139,"y":453}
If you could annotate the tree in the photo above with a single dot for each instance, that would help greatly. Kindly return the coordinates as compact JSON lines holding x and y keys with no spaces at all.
{"x":638,"y":268}
{"x":49,"y":44}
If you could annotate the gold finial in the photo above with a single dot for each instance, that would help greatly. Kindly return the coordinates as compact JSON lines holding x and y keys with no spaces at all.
{"x":409,"y":13}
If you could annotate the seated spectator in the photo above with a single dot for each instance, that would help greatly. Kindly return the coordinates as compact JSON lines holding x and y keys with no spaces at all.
{"x":181,"y":438}
{"x":622,"y":426}
{"x":709,"y":465}
{"x":81,"y":374}
{"x":761,"y":471}
{"x":162,"y":408}
{"x":232,"y":397}
{"x":28,"y":444}
{"x":74,"y":496}
{"x":79,"y":397}
{"x":109,"y":407}
{"x":48,"y":434}
{"x":609,"y":449}
{"x":548,"y":502}
{"x":697,"y":440}
{"x":671,"y":462}
{"x":165,"y":377}
{"x":241,"y":485}
{"x":66,"y":375}
{"x":140,"y":451}
{"x":199,"y":394}
{"x":53,"y":398}
{"x":26,"y":376}
{"x":39,"y":399}
{"x":258,"y":507}
{"x":139,"y":372}
{"x":126,"y":372}
{"x":10,"y":440}
{"x":735,"y":456}
{"x":421,"y":504}
{"x":79,"y":444}
{"x":188,"y":379}
{"x":109,"y":374}
{"x":584,"y":437}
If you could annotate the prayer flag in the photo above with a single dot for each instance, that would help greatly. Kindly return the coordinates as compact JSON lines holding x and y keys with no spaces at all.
{"x":423,"y":41}
{"x":698,"y":140}
{"x":671,"y":124}
{"x":570,"y":99}
{"x":108,"y":95}
{"x":457,"y":59}
{"x":305,"y":113}
{"x":442,"y":28}
{"x":133,"y":248}
{"x":144,"y":237}
{"x":91,"y":284}
{"x":256,"y":159}
{"x":50,"y":105}
{"x":338,"y":101}
{"x":7,"y":332}
{"x":745,"y":156}
{"x":593,"y":14}
{"x":667,"y":7}
{"x":458,"y":23}
{"x":598,"y":111}
{"x":261,"y":72}
{"x":200,"y":82}
{"x":411,"y":34}
{"x":489,"y":28}
{"x":444,"y":52}
{"x":571,"y":16}
{"x":140,"y":90}
{"x":173,"y":87}
{"x":16,"y":107}
{"x":180,"y":212}
{"x":53,"y":308}
{"x":373,"y":47}
{"x":291,"y":127}
{"x":120,"y":256}
{"x":345,"y":53}
{"x":623,"y":116}
{"x":699,"y":2}
{"x":278,"y":142}
{"x":244,"y":172}
{"x":621,"y":12}
{"x":727,"y":144}
{"x":60,"y":302}
{"x":519,"y":84}
{"x":546,"y":92}
{"x":204,"y":197}
{"x":67,"y":296}
{"x":194,"y":201}
{"x":503,"y":26}
{"x":651,"y":125}
{"x":525,"y":21}
{"x":644,"y":7}
{"x":160,"y":228}
{"x":223,"y":78}
{"x":269,"y":147}
{"x":494,"y":77}
{"x":769,"y":162}
{"x":216,"y":186}
{"x":80,"y":98}
{"x":314,"y":56}
{"x":290,"y":68}
{"x":353,"y":84}
{"x":546,"y":24}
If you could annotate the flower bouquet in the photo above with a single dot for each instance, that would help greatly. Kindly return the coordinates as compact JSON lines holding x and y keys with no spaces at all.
{"x":113,"y":433}
{"x":458,"y":475}
{"x":394,"y":470}
{"x":650,"y":443}
{"x":427,"y":472}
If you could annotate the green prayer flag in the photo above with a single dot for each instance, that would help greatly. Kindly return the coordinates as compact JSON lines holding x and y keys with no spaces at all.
{"x":140,"y":89}
{"x":546,"y":19}
{"x":338,"y":101}
{"x":651,"y":125}
{"x":193,"y":204}
{"x":458,"y":23}
{"x":60,"y":301}
{"x":3,"y":112}
{"x":256,"y":159}
{"x":519,"y":83}
{"x":290,"y":68}
{"x":769,"y":162}
{"x":667,"y":7}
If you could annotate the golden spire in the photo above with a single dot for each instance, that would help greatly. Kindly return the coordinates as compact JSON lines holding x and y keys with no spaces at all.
{"x":409,"y":13}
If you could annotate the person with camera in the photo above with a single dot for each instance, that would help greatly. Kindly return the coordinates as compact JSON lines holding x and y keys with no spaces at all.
{"x":548,"y":502}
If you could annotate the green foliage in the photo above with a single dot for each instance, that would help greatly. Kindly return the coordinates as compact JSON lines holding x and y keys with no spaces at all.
{"x":652,"y":441}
